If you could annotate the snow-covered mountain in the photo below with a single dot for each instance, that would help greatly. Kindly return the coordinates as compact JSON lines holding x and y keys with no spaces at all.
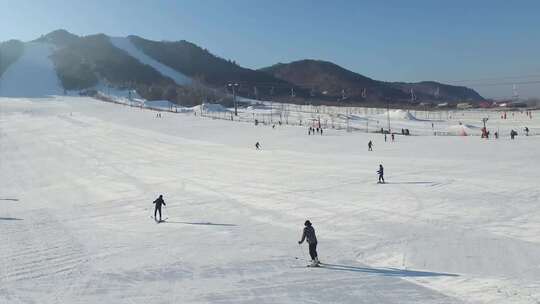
{"x":179,"y":70}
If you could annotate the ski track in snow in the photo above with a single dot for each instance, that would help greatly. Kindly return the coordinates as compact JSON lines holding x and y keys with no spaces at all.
{"x":85,"y":174}
{"x":126,"y":45}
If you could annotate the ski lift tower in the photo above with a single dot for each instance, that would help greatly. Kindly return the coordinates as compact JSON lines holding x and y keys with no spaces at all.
{"x":388,"y":114}
{"x":234,"y":86}
{"x":515,"y":94}
{"x":484,"y":129}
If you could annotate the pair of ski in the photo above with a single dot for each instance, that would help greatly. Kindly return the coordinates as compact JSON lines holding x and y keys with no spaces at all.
{"x":315,"y":265}
{"x":310,"y":265}
{"x":159,"y":221}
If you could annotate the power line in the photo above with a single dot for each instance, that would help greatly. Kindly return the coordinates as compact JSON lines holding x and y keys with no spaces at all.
{"x":506,"y":83}
{"x":493,"y":78}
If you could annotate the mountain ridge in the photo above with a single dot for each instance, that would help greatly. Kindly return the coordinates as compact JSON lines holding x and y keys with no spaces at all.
{"x":83,"y":62}
{"x":339,"y":82}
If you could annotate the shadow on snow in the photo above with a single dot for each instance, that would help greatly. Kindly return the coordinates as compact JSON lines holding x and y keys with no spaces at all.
{"x":10,"y":219}
{"x":394,"y":272}
{"x":202,"y":223}
{"x":9,"y":199}
{"x":412,"y":183}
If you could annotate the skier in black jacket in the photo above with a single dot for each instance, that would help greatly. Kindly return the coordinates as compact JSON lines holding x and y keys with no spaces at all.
{"x":309,"y":236}
{"x":381,"y":174}
{"x":158,"y":202}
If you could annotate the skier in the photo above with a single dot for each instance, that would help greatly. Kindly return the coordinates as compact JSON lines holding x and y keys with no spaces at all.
{"x":384,"y":137}
{"x":311,"y":239}
{"x":526,"y":131}
{"x":392,"y":137}
{"x":257,"y":146}
{"x":381,"y":174}
{"x":370,"y":145}
{"x":158,"y":202}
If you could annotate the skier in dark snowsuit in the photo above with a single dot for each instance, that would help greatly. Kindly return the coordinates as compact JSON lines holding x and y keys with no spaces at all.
{"x":158,"y":202}
{"x":370,"y":146}
{"x":381,"y":174}
{"x":311,"y":239}
{"x":257,"y":146}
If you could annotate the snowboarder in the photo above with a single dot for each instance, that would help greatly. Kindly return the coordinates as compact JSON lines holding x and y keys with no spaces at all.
{"x":158,"y":202}
{"x":257,"y":146}
{"x":381,"y":174}
{"x":370,"y":145}
{"x":311,"y":239}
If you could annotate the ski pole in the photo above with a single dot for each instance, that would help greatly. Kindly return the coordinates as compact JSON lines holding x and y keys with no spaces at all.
{"x":303,"y":254}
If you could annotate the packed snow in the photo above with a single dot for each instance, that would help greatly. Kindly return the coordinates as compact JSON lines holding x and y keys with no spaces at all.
{"x":32,"y":75}
{"x":210,"y":108}
{"x":125,"y":44}
{"x":457,"y":222}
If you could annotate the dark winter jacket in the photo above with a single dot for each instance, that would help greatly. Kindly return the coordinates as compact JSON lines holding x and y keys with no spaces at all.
{"x":159,"y":201}
{"x":309,"y":235}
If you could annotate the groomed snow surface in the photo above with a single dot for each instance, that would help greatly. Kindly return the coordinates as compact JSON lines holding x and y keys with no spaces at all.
{"x":457,"y":222}
{"x":126,"y":45}
{"x":32,"y":75}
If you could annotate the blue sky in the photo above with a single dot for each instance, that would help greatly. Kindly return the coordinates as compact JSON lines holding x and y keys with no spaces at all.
{"x":388,"y":40}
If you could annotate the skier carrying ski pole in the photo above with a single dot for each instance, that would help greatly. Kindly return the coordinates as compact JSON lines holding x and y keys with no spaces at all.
{"x":309,"y":236}
{"x":381,"y":174}
{"x":158,"y":202}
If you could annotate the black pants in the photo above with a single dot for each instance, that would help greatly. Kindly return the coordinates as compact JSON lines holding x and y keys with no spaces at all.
{"x":156,"y":211}
{"x":381,"y":178}
{"x":313,"y":251}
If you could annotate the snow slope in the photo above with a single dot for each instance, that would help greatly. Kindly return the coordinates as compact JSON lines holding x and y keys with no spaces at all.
{"x":373,"y":119}
{"x":456,"y":223}
{"x":32,"y":75}
{"x":126,"y":45}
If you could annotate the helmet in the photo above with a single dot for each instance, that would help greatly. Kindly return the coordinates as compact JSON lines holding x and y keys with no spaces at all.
{"x":307,"y":223}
